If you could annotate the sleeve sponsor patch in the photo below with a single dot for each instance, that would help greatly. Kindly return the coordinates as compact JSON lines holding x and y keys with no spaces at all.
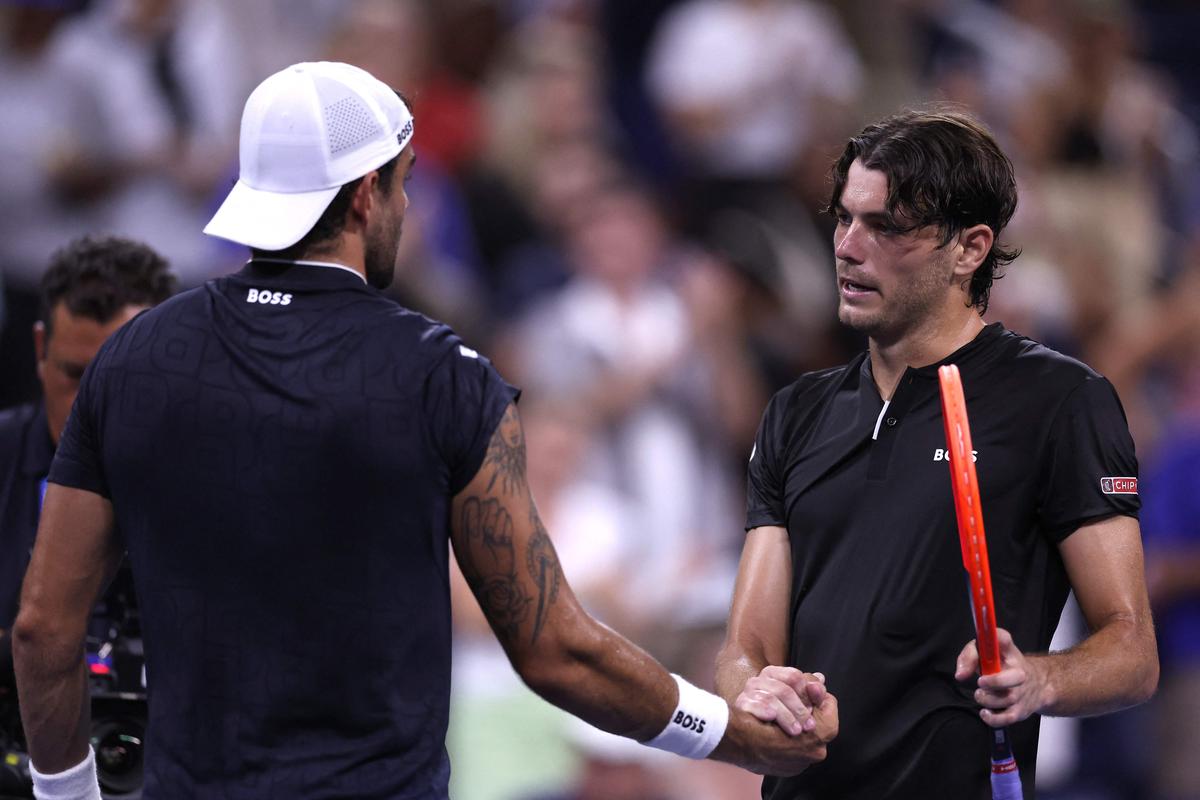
{"x":1119,"y":485}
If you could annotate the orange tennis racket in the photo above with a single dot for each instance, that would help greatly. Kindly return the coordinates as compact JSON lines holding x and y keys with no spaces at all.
{"x":968,"y":508}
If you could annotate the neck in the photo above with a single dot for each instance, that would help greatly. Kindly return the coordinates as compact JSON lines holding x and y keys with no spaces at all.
{"x":347,"y":252}
{"x":928,"y":344}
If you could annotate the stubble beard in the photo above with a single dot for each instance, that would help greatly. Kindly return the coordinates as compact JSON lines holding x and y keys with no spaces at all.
{"x":379,"y":257}
{"x":908,"y":305}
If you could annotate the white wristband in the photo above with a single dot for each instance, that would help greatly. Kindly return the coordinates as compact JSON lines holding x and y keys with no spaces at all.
{"x":696,"y":727}
{"x":76,"y":783}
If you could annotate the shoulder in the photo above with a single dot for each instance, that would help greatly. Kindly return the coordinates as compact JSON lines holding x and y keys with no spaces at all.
{"x":185,"y":302}
{"x":147,"y":327}
{"x":795,"y":406}
{"x":13,"y":424}
{"x":415,"y":333}
{"x":1044,"y":383}
{"x":13,"y":421}
{"x":419,"y":347}
{"x":815,"y":388}
{"x":1052,"y":372}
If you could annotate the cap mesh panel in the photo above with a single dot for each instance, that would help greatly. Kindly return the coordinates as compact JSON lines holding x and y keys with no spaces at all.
{"x":349,"y":124}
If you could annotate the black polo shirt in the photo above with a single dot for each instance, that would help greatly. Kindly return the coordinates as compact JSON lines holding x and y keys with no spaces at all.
{"x":879,"y":600}
{"x":281,"y":447}
{"x":26,"y":450}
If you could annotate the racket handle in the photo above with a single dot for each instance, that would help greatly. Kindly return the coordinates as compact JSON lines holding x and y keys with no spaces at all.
{"x":1006,"y":780}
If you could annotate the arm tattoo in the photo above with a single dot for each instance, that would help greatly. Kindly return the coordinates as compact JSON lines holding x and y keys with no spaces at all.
{"x":506,"y":454}
{"x":545,"y":570}
{"x":490,"y":565}
{"x":490,"y":559}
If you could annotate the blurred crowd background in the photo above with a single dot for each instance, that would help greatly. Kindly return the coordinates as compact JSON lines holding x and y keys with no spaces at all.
{"x":620,"y":201}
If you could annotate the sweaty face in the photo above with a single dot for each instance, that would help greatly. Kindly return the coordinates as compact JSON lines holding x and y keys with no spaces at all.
{"x":889,"y":281}
{"x":383,"y":236}
{"x":64,"y":356}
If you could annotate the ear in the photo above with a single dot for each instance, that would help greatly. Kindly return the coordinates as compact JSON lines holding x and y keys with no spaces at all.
{"x":365,"y":200}
{"x":39,"y":341}
{"x":974,"y":244}
{"x":39,"y":346}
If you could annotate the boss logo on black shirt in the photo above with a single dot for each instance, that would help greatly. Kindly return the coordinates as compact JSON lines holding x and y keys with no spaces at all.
{"x":265,"y":297}
{"x":944,"y":455}
{"x":688,"y":722}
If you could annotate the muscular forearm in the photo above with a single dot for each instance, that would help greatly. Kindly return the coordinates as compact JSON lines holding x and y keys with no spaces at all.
{"x":572,"y":660}
{"x":52,"y":684}
{"x":1114,"y":668}
{"x":612,"y":684}
{"x":604,"y":679}
{"x":757,"y":634}
{"x":735,"y":666}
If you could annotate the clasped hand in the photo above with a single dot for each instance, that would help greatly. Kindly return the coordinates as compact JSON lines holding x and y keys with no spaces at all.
{"x":796,"y":701}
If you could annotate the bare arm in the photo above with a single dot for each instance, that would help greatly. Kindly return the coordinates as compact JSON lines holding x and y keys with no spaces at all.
{"x":750,"y":675}
{"x":1115,"y":667}
{"x":563,"y":654}
{"x":757,"y":635}
{"x":73,"y":558}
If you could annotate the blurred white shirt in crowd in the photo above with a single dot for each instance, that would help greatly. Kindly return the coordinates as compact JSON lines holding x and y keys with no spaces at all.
{"x":751,"y":77}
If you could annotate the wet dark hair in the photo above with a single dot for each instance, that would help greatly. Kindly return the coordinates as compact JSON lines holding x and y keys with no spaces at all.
{"x":97,"y":277}
{"x":944,"y":169}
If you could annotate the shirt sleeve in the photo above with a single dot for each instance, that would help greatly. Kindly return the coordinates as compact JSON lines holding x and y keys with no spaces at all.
{"x":1092,"y":469}
{"x":764,"y":479}
{"x":465,"y":398}
{"x":77,"y":462}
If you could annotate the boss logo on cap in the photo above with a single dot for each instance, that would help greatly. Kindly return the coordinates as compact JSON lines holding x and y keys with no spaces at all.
{"x":404,"y":132}
{"x":1119,"y":485}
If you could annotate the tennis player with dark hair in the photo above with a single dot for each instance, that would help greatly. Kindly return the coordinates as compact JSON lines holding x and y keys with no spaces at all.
{"x":288,"y":455}
{"x":852,"y":565}
{"x":92,"y":287}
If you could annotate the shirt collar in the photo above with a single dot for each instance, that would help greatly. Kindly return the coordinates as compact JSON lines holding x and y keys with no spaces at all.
{"x":307,"y":263}
{"x":318,"y":274}
{"x":965,"y":357}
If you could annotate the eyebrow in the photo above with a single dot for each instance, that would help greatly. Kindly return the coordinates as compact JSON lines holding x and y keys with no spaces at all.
{"x":869,"y":216}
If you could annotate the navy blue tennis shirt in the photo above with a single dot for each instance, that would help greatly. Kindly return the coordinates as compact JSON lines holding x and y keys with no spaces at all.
{"x":281,"y":447}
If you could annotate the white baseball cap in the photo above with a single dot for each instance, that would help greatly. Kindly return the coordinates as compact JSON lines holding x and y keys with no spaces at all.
{"x":306,"y":131}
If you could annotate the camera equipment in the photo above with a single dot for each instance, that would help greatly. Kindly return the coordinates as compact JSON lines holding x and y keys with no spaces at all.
{"x":116,"y":667}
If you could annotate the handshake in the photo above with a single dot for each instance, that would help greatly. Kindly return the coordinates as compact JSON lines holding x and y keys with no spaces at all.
{"x":780,"y":723}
